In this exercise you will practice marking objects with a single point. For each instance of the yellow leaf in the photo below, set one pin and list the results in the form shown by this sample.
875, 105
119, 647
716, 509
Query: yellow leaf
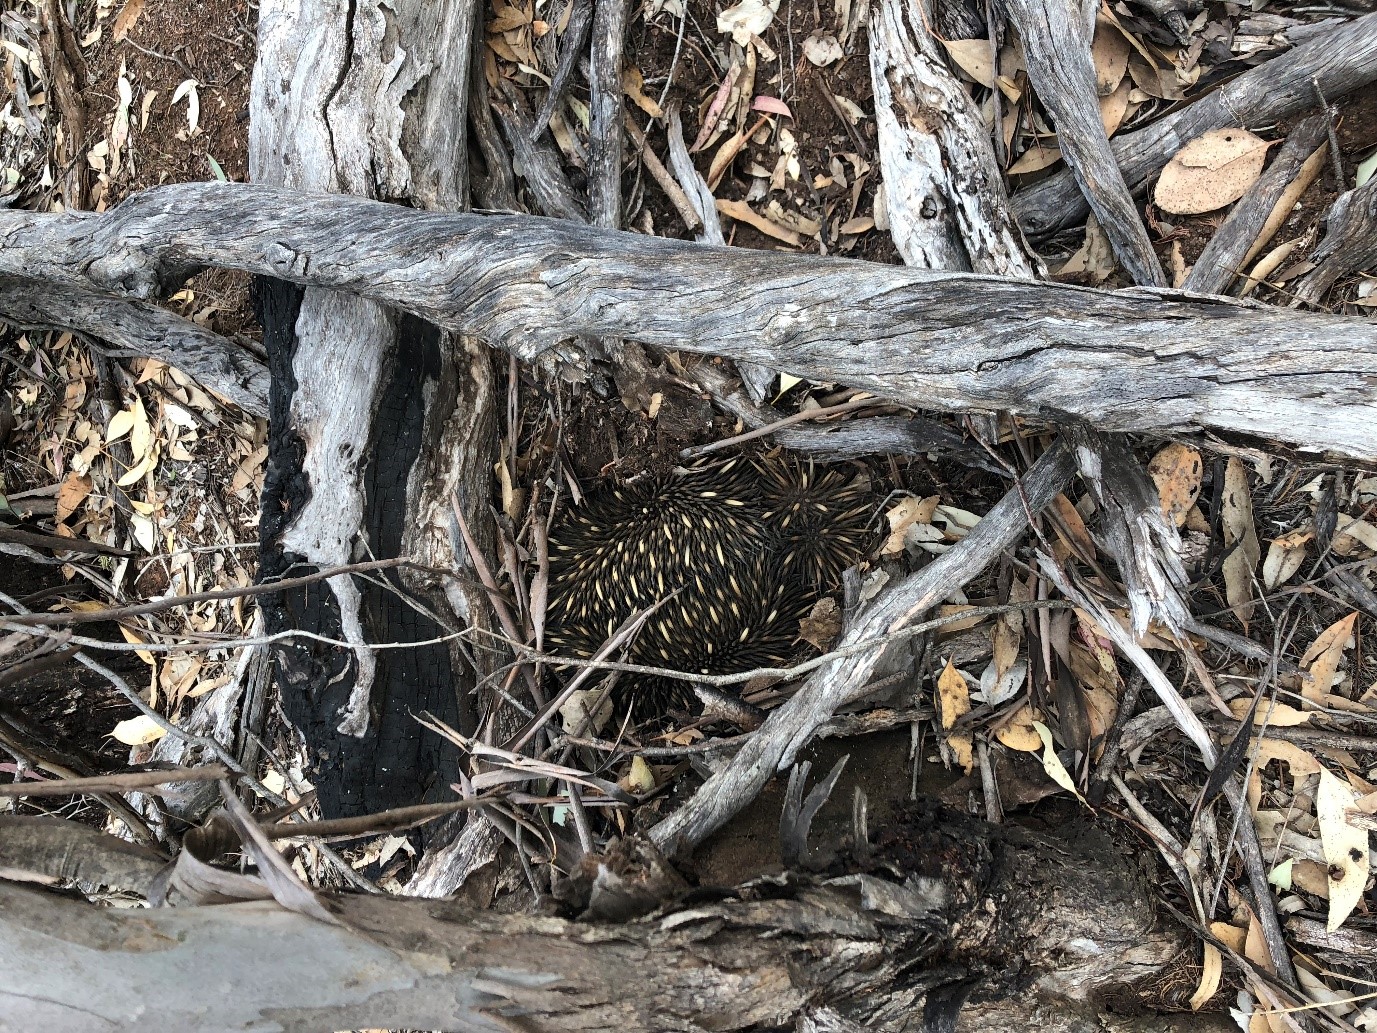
1274, 715
1345, 847
138, 730
120, 425
633, 85
1052, 764
135, 639
141, 434
953, 700
135, 472
1018, 732
1210, 972
1230, 935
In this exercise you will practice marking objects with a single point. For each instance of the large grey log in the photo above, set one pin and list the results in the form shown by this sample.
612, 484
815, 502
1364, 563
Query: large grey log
1127, 361
1337, 62
987, 907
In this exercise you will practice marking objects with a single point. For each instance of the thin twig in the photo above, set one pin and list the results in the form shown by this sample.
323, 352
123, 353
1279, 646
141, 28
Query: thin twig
116, 783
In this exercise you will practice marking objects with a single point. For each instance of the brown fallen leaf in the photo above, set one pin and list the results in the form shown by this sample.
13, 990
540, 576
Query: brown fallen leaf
1176, 470
125, 21
1240, 537
1211, 171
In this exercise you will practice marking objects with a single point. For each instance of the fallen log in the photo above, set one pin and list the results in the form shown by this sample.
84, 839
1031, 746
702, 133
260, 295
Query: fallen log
1009, 914
1135, 360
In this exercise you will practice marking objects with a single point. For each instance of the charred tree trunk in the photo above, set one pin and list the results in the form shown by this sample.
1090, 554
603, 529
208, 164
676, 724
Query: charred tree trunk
363, 395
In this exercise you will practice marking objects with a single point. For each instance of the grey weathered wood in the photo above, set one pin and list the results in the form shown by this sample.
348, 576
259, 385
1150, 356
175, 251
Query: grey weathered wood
1338, 62
605, 111
1056, 46
842, 680
1349, 244
766, 957
1131, 360
535, 160
136, 328
944, 195
1222, 260
571, 48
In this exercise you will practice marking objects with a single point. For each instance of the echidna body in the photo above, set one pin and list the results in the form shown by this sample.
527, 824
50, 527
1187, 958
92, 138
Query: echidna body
735, 554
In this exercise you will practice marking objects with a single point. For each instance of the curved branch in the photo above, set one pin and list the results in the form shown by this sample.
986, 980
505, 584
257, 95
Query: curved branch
1336, 63
1129, 361
140, 328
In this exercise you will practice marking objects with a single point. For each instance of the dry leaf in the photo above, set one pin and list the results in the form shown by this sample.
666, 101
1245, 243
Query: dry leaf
1019, 733
633, 85
1321, 660
747, 18
1237, 519
1110, 54
742, 212
1052, 764
1035, 159
822, 49
1211, 171
1345, 847
822, 625
138, 731
974, 57
126, 20
953, 700
1210, 972
1073, 528
71, 494
1285, 556
1176, 470
1114, 108
1274, 715
187, 89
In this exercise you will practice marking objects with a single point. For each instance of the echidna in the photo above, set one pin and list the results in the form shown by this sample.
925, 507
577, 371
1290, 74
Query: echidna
741, 551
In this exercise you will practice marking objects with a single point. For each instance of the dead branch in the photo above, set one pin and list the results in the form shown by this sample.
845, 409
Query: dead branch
1223, 258
944, 196
1133, 360
1056, 44
126, 327
1350, 241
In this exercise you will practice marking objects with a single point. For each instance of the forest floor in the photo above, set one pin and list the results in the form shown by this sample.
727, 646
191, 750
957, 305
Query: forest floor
132, 454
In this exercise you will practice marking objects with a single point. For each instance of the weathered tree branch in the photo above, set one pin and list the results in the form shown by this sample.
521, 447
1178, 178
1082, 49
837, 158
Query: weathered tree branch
1128, 361
944, 195
132, 327
1056, 45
